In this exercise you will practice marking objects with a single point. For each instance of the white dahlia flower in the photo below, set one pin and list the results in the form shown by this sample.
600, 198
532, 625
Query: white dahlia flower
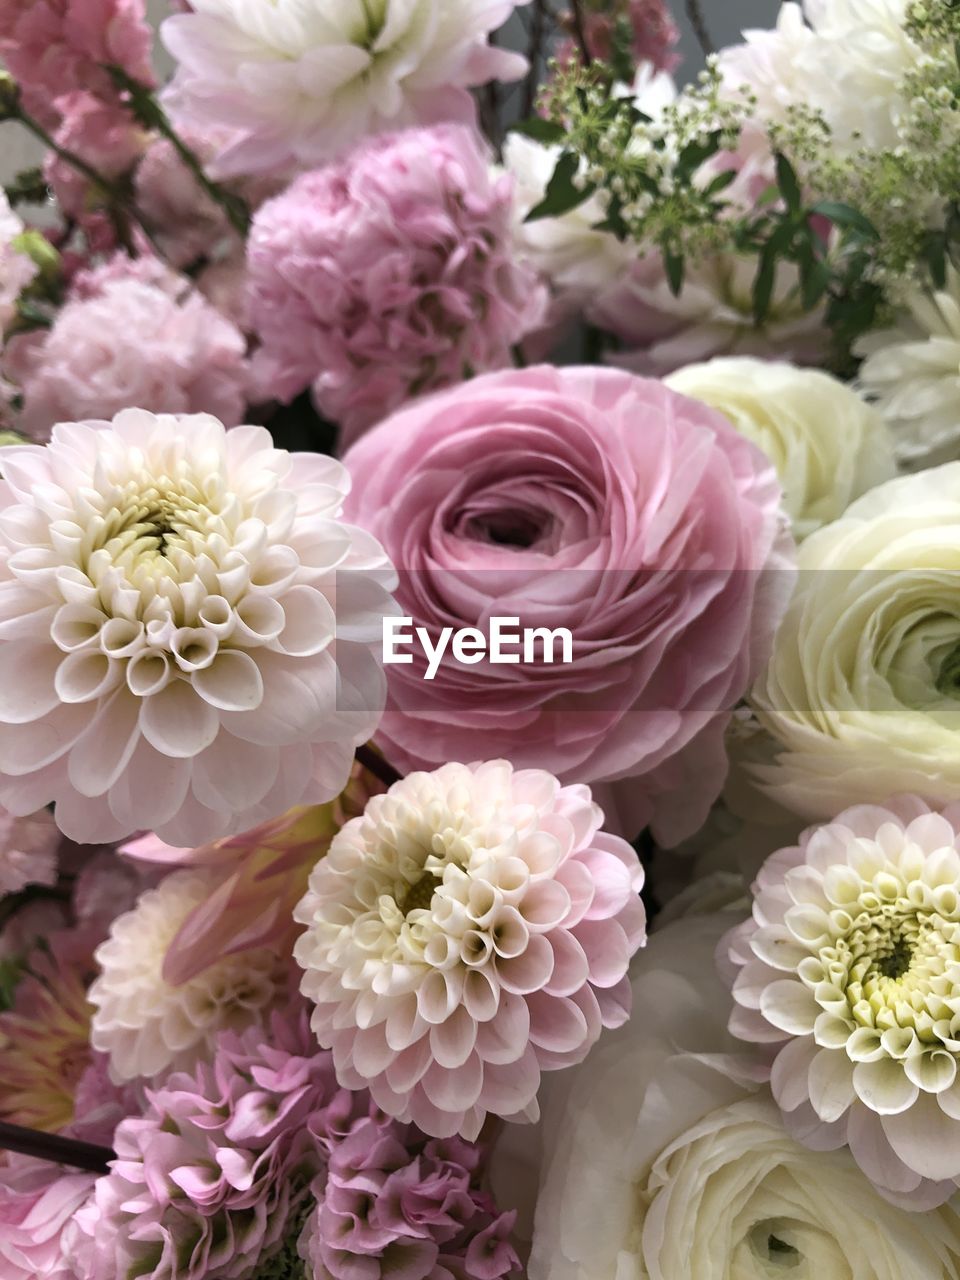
189, 636
147, 1026
861, 695
300, 80
658, 1159
912, 371
472, 929
849, 971
17, 269
827, 444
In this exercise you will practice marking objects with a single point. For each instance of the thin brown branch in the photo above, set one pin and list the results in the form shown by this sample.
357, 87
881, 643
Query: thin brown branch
374, 762
699, 24
55, 1148
538, 26
580, 31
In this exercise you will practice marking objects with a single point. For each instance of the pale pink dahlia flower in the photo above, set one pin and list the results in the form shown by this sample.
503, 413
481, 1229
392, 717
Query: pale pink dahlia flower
310, 80
849, 971
132, 333
472, 929
387, 275
171, 653
37, 1204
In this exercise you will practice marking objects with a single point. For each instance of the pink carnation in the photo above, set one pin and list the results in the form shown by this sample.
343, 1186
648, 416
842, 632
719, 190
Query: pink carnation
596, 501
472, 929
37, 1203
53, 47
387, 275
123, 340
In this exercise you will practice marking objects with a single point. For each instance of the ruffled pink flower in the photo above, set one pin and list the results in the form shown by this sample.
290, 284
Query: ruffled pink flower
126, 340
104, 134
211, 1178
28, 850
53, 47
602, 503
388, 275
37, 1203
472, 929
395, 1205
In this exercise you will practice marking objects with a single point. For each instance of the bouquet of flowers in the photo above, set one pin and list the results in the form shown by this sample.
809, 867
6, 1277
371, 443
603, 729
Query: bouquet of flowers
479, 643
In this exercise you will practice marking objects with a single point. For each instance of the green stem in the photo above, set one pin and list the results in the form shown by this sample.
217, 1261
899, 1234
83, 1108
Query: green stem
148, 111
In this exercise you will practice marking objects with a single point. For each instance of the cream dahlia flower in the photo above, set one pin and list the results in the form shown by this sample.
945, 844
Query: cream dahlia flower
300, 80
850, 971
827, 444
145, 1024
658, 1159
912, 370
862, 692
472, 929
170, 652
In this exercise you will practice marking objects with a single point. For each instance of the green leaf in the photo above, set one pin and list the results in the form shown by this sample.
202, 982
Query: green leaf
763, 284
934, 253
562, 195
845, 216
815, 279
614, 221
694, 154
675, 267
546, 131
721, 182
789, 184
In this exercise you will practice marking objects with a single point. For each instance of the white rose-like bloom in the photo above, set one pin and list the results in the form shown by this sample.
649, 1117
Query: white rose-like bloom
848, 59
912, 370
472, 929
189, 636
827, 444
850, 971
146, 1025
659, 1160
301, 80
862, 691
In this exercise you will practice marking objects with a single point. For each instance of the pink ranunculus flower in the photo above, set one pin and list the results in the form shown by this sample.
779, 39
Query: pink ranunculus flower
387, 275
53, 47
599, 502
470, 931
131, 334
37, 1204
190, 632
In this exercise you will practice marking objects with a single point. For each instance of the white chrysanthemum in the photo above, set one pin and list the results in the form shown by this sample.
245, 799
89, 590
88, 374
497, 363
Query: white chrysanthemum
849, 63
303, 79
912, 370
660, 1160
472, 929
861, 695
827, 444
850, 970
170, 652
577, 259
147, 1026
17, 269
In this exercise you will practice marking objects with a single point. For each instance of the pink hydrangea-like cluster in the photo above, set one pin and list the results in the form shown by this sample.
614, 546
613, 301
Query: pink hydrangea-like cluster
104, 135
388, 275
653, 34
210, 1178
130, 335
392, 1203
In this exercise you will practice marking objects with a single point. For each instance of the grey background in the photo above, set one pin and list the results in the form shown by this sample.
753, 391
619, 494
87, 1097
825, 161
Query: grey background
724, 18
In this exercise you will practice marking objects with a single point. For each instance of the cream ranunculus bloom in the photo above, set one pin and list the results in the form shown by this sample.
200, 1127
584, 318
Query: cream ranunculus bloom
660, 1161
862, 691
827, 444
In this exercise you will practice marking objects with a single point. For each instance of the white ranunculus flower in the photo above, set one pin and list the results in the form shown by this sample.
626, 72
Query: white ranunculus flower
848, 60
827, 444
658, 1160
862, 691
912, 370
303, 79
